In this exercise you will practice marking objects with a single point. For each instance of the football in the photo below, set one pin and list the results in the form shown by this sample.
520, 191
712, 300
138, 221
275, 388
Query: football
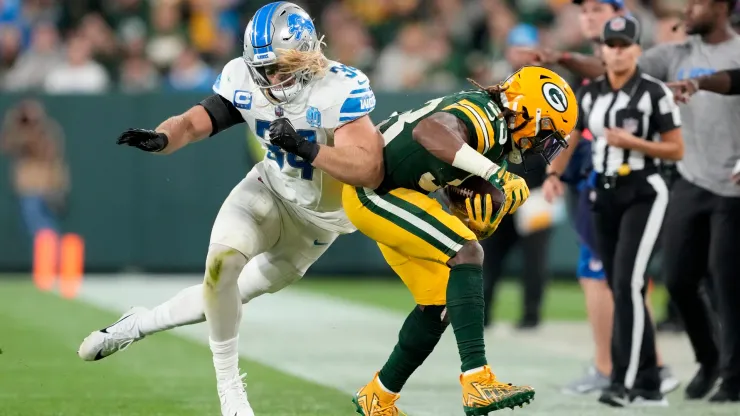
456, 195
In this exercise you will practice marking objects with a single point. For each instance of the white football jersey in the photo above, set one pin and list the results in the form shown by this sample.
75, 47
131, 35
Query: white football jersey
341, 96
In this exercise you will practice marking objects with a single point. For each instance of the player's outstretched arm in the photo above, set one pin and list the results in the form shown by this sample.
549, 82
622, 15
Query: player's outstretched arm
209, 117
355, 159
583, 65
723, 82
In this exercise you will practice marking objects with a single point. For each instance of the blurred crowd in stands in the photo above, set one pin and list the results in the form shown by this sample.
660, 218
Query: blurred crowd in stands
94, 46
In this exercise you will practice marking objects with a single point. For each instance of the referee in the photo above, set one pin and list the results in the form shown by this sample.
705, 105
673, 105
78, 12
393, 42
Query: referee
626, 111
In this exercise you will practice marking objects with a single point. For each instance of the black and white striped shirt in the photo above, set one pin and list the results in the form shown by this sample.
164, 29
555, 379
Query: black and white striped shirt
644, 106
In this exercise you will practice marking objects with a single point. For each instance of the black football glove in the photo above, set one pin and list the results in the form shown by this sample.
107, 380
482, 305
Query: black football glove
284, 136
146, 140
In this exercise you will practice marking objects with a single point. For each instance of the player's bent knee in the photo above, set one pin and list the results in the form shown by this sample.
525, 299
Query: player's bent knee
223, 265
470, 253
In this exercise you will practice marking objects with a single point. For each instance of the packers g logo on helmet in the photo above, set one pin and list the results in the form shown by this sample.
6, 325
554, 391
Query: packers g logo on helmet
555, 97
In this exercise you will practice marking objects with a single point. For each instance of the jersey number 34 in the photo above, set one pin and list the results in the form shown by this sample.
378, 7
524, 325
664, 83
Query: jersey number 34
281, 157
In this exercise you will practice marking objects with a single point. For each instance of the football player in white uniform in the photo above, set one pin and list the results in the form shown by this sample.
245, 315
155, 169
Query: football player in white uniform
287, 211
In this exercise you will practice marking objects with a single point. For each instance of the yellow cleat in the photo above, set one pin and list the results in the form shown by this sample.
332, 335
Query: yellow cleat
374, 400
482, 393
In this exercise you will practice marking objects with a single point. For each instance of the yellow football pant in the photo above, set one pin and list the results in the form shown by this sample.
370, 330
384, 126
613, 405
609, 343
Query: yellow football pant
415, 234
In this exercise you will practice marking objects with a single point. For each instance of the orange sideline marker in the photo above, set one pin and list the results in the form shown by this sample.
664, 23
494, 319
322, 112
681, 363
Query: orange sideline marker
72, 265
45, 259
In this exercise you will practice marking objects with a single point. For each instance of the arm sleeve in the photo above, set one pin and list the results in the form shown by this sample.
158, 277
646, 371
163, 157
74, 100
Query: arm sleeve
222, 112
734, 75
656, 60
666, 114
482, 132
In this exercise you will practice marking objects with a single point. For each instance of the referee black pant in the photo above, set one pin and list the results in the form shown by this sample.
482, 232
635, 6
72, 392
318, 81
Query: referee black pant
628, 213
534, 272
702, 232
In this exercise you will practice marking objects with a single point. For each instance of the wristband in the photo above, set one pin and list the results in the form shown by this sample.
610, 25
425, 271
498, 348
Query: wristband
469, 160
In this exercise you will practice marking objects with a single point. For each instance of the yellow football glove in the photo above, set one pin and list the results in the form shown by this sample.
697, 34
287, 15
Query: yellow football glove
479, 216
516, 191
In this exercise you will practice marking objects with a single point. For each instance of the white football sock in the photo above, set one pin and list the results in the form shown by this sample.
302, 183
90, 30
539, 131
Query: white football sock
225, 358
185, 308
473, 371
258, 277
385, 389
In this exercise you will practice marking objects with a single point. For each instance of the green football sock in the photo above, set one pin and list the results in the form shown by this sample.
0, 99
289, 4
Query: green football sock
418, 336
465, 308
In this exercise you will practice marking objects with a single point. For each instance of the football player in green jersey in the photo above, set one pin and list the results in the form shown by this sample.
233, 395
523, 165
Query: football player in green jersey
436, 255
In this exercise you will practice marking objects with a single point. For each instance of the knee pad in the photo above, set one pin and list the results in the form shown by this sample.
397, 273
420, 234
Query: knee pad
262, 276
223, 265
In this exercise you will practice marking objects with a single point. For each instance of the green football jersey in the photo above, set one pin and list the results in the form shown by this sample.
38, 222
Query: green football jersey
409, 165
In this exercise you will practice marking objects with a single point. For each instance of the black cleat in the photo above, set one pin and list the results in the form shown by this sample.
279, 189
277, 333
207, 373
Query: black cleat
615, 396
702, 383
647, 398
726, 394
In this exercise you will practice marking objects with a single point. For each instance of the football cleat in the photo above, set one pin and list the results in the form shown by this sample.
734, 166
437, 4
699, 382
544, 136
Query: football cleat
233, 397
113, 338
482, 393
374, 400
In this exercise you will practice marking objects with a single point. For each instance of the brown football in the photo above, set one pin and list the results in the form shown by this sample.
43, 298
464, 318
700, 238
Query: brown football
456, 195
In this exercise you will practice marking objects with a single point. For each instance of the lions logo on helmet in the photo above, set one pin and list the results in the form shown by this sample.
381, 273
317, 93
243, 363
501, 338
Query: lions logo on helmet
298, 24
545, 108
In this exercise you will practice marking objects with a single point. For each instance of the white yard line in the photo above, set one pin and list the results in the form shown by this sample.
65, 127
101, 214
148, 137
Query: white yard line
341, 344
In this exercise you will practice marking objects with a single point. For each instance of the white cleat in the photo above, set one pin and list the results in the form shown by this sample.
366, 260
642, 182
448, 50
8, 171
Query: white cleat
114, 338
233, 396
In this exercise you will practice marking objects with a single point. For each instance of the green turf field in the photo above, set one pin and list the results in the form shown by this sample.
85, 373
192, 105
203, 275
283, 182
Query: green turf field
563, 300
171, 374
42, 375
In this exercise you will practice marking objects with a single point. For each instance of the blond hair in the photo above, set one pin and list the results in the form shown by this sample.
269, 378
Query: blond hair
313, 62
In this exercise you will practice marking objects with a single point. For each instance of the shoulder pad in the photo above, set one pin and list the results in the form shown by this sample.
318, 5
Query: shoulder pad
235, 84
342, 95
